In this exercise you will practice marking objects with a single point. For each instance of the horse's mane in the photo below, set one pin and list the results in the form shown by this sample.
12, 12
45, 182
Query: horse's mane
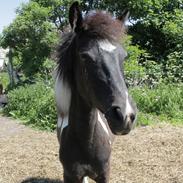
64, 55
99, 25
103, 26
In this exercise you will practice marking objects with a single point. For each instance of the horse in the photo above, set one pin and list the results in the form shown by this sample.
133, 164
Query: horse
92, 98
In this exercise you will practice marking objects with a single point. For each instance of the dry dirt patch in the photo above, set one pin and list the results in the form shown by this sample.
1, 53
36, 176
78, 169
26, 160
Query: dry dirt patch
147, 155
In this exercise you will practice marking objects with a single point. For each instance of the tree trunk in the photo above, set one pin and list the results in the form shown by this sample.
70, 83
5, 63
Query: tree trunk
10, 68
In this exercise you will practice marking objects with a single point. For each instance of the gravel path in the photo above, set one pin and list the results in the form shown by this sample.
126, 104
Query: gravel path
147, 155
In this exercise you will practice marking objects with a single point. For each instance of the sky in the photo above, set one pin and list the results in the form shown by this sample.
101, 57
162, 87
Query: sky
7, 11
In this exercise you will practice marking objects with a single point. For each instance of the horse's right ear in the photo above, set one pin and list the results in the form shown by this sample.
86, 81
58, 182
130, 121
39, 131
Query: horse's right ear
75, 17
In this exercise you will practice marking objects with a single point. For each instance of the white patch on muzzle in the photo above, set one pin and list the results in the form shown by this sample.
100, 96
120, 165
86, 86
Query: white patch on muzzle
129, 108
106, 46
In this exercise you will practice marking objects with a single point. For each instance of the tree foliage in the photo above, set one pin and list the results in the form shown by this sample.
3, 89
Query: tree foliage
58, 11
156, 28
31, 36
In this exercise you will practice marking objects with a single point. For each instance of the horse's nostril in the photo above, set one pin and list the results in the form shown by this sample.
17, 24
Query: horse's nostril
119, 113
115, 114
132, 117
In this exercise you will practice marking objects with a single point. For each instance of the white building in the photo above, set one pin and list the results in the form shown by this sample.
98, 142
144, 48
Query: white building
3, 57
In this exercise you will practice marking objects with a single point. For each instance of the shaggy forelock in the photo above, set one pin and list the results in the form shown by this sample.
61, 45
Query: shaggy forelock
103, 26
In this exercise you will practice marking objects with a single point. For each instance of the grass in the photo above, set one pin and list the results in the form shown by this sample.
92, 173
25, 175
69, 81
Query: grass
164, 103
148, 119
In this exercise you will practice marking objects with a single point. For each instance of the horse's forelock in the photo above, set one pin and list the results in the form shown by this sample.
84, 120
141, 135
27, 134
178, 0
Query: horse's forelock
104, 26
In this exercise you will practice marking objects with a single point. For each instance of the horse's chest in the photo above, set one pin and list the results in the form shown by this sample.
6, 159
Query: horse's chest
83, 161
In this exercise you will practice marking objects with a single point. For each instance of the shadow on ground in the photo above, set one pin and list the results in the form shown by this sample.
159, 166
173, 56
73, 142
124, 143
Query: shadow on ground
41, 180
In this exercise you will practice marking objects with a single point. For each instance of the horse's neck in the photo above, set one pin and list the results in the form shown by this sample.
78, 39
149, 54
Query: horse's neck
82, 118
87, 123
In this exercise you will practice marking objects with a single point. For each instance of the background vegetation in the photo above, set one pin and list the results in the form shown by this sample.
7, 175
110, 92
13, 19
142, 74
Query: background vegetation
153, 68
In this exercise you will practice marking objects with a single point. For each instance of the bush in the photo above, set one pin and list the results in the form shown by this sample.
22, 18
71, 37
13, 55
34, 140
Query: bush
34, 104
134, 72
140, 69
163, 100
174, 67
4, 79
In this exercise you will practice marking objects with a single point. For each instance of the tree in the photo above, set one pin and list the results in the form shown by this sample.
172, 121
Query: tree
31, 36
157, 27
58, 11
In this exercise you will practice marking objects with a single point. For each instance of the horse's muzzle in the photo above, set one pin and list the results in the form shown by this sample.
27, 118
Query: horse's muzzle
119, 123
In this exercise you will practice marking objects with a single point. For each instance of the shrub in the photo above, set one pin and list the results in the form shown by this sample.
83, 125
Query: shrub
34, 104
153, 74
174, 67
140, 69
162, 100
4, 79
134, 72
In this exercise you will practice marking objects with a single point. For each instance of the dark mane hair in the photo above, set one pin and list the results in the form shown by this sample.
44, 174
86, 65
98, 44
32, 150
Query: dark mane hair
103, 26
64, 53
99, 25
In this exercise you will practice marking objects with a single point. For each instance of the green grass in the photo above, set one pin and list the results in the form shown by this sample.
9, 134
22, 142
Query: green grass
164, 103
148, 119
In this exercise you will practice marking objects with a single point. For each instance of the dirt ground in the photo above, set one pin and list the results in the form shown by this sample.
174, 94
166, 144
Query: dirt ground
147, 155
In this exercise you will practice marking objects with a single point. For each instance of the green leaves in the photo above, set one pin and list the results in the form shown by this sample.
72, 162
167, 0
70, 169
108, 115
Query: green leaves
34, 104
32, 36
156, 27
164, 100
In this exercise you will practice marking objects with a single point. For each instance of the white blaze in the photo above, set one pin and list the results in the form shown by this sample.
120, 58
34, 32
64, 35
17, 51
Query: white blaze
106, 46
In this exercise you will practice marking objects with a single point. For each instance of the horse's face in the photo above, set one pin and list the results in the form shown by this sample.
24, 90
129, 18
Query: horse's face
100, 81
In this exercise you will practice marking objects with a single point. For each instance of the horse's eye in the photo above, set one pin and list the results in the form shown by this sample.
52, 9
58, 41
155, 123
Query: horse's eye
86, 57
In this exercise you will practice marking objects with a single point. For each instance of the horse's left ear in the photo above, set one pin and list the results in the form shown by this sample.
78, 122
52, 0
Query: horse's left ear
75, 17
125, 15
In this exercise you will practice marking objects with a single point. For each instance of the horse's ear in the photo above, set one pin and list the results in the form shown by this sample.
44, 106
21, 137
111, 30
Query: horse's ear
75, 17
124, 16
